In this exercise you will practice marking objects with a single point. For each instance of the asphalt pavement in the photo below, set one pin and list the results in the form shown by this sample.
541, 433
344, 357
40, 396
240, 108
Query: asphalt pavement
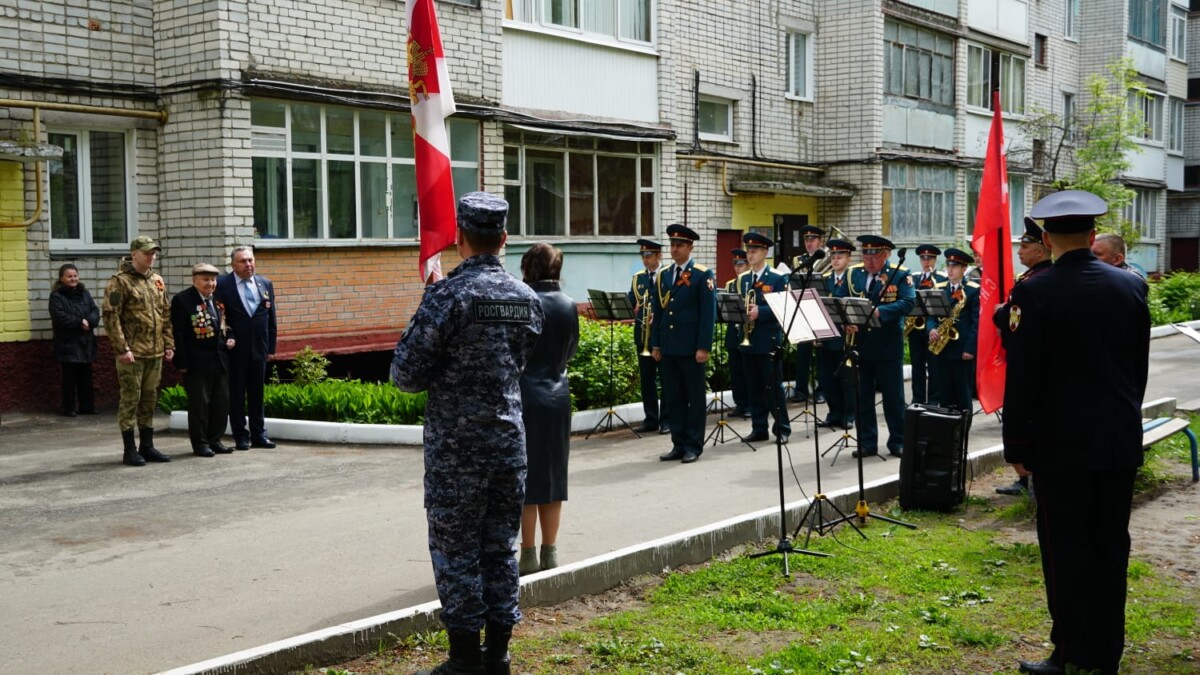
112, 569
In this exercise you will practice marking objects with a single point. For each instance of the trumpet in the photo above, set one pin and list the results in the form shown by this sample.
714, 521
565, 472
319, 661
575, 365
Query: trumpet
647, 317
748, 327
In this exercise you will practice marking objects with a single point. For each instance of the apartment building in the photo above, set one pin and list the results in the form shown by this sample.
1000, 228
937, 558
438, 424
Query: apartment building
211, 123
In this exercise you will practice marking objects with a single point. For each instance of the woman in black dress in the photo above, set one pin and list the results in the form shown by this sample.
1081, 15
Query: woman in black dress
547, 408
74, 316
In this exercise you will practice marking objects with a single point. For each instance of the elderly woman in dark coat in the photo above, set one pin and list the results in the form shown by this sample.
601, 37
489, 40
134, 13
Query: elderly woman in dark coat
547, 408
74, 316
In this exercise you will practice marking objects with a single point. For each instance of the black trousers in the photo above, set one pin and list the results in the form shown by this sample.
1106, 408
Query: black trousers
835, 384
246, 379
764, 384
648, 372
924, 369
804, 359
737, 376
683, 391
888, 374
953, 376
208, 407
77, 383
1083, 530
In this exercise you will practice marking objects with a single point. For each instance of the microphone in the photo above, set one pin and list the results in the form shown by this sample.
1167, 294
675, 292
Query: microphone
816, 255
901, 253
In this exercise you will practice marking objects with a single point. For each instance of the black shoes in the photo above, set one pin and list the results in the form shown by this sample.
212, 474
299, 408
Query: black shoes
671, 456
783, 438
739, 412
220, 449
798, 398
262, 442
147, 449
689, 457
820, 398
69, 413
864, 453
239, 444
202, 452
1044, 667
647, 428
896, 453
1019, 487
757, 436
663, 430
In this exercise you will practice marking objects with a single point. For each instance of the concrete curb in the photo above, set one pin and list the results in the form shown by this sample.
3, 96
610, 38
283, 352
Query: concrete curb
594, 575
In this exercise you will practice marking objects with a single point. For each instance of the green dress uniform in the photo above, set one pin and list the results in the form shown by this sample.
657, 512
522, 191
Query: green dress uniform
684, 318
924, 369
764, 374
642, 294
881, 355
954, 374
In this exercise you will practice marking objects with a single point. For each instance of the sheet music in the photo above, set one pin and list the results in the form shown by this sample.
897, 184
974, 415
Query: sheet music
812, 324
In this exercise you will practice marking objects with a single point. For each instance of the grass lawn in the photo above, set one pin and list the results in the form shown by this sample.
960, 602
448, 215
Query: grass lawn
961, 594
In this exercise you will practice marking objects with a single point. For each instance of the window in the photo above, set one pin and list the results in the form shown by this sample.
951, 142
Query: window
1071, 26
1148, 109
325, 172
92, 198
578, 186
918, 202
1068, 117
1175, 139
715, 119
918, 63
1143, 212
620, 19
1039, 49
1146, 21
1178, 33
979, 80
799, 65
1016, 201
1191, 177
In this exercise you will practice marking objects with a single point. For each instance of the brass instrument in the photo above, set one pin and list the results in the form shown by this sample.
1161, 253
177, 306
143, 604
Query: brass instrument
945, 328
748, 327
912, 323
647, 317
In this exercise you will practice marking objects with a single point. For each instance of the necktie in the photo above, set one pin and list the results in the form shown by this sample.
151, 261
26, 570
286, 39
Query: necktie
212, 311
871, 285
754, 280
251, 301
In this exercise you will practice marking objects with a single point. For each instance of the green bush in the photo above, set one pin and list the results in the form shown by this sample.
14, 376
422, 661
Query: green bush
309, 366
588, 373
1175, 298
349, 401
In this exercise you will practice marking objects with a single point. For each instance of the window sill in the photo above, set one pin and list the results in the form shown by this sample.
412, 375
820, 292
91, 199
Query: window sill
82, 250
798, 98
575, 35
273, 243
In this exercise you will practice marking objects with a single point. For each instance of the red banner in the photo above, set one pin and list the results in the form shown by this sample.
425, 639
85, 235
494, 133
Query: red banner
992, 242
432, 102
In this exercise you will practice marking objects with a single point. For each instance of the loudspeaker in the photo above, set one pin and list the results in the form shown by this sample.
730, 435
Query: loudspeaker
933, 467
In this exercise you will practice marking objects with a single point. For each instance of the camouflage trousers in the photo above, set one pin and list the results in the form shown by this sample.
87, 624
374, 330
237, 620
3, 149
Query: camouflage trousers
473, 523
139, 392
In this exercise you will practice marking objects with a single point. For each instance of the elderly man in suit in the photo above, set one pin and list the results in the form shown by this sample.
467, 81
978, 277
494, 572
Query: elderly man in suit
249, 301
202, 340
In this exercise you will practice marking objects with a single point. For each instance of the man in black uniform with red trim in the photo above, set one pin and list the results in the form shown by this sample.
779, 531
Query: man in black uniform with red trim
1078, 354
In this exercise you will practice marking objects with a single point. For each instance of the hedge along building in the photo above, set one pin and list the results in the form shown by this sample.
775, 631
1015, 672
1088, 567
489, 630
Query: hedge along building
286, 125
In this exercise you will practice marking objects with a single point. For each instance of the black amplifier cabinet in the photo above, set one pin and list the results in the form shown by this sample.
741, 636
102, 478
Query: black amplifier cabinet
933, 469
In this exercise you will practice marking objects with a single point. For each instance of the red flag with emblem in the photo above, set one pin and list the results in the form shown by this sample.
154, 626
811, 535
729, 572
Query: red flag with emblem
432, 102
992, 242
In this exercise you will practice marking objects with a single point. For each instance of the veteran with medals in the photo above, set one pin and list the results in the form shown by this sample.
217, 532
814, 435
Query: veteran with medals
681, 338
881, 350
202, 344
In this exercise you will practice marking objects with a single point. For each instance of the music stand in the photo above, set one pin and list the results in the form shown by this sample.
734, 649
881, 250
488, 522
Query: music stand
611, 307
717, 402
849, 311
731, 311
801, 280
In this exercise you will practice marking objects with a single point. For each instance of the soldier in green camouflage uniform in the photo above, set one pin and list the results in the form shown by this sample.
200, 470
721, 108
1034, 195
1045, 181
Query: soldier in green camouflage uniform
138, 319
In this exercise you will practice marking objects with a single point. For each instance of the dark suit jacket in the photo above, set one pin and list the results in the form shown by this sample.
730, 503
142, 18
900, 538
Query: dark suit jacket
686, 323
895, 297
255, 334
199, 345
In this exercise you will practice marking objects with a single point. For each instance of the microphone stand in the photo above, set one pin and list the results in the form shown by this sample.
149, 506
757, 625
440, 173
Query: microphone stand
784, 546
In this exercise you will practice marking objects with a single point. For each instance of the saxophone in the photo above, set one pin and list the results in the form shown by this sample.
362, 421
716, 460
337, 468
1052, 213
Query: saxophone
912, 323
945, 328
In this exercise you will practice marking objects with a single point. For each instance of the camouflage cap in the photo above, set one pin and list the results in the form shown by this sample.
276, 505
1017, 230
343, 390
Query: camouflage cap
482, 213
144, 243
204, 268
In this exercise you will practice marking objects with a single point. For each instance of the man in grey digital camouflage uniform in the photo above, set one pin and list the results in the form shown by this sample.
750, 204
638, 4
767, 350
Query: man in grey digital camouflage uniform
137, 317
467, 345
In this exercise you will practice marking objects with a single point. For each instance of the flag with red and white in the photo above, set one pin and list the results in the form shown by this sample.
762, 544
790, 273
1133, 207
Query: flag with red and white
992, 241
432, 102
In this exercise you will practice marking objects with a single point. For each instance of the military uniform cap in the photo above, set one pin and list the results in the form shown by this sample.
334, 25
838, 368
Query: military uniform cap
649, 246
873, 243
144, 243
956, 256
1033, 233
1069, 211
739, 255
682, 233
756, 239
204, 268
928, 249
839, 246
811, 230
482, 213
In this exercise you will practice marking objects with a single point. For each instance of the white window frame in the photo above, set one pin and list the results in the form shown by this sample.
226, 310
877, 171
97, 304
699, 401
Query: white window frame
727, 135
84, 178
322, 156
1143, 213
1068, 117
1071, 21
1018, 185
534, 13
1145, 13
895, 46
979, 69
1149, 109
1178, 21
804, 93
1175, 122
935, 205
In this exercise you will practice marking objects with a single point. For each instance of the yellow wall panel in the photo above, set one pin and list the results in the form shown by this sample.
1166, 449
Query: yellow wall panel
14, 267
758, 210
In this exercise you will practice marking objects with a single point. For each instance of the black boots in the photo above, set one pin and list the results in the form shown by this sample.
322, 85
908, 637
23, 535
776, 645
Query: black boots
132, 458
495, 649
147, 449
465, 655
